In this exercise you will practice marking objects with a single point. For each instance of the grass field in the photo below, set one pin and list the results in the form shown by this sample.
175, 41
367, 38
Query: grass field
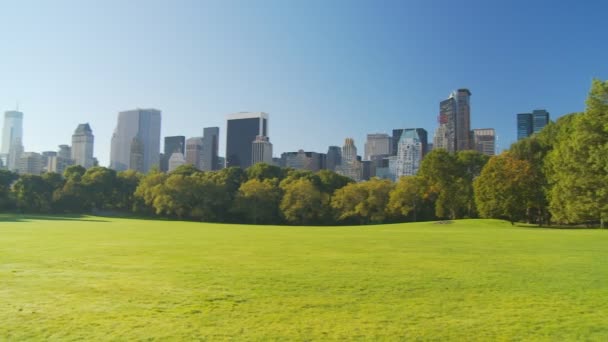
96, 278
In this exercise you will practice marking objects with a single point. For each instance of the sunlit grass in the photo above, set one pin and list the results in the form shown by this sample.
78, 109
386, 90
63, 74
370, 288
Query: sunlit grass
96, 278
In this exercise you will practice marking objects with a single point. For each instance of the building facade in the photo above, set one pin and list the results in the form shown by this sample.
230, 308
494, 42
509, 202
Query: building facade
485, 140
242, 130
12, 139
334, 158
30, 163
410, 152
82, 146
302, 160
172, 144
194, 150
209, 158
261, 150
530, 123
377, 144
176, 160
350, 165
143, 124
454, 121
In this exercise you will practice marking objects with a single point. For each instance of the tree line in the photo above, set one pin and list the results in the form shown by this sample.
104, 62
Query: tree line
558, 175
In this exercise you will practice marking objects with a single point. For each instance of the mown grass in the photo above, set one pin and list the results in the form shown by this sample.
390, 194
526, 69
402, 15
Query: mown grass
95, 278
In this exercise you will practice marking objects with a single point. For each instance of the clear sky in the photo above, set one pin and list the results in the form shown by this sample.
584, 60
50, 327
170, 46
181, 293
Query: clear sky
324, 70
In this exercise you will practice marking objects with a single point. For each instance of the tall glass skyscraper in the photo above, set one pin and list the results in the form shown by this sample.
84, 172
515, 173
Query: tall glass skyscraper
12, 138
530, 123
454, 129
242, 130
137, 136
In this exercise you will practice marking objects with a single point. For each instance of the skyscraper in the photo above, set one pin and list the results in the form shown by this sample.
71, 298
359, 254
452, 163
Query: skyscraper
524, 125
82, 146
172, 144
350, 165
194, 149
143, 124
454, 129
421, 132
12, 130
261, 151
485, 140
540, 119
334, 157
209, 159
242, 130
12, 138
377, 144
530, 123
410, 152
30, 163
176, 160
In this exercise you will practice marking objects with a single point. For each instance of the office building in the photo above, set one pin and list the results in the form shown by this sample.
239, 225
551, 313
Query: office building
172, 144
302, 160
221, 163
410, 152
455, 122
176, 160
142, 128
14, 154
420, 132
350, 165
334, 158
30, 163
242, 130
82, 146
194, 151
261, 151
209, 158
485, 140
530, 123
12, 130
377, 144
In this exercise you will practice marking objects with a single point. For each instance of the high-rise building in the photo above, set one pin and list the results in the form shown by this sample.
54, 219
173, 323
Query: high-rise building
242, 130
82, 146
485, 140
194, 150
172, 144
421, 132
14, 154
334, 158
30, 163
143, 124
60, 161
530, 123
136, 157
410, 152
211, 141
455, 122
377, 144
261, 150
302, 160
221, 163
540, 119
12, 130
176, 160
350, 165
524, 125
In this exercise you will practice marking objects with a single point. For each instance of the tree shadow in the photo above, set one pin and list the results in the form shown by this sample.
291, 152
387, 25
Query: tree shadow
43, 217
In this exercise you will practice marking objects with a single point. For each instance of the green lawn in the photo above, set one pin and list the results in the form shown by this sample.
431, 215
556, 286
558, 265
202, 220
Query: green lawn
97, 278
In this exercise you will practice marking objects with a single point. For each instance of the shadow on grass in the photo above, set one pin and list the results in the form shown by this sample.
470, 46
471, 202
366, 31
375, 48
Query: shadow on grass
42, 217
557, 226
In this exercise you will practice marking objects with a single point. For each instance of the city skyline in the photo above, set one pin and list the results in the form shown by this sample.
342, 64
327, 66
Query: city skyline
336, 69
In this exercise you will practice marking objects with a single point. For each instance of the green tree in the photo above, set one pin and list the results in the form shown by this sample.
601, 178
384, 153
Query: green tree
6, 196
406, 198
262, 171
126, 184
303, 203
364, 202
34, 194
503, 188
578, 164
258, 201
99, 184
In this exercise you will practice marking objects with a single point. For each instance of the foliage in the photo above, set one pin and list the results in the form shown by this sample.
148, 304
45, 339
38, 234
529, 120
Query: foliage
502, 190
362, 203
303, 203
258, 201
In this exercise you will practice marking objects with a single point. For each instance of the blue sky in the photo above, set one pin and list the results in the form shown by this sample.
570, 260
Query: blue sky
323, 70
